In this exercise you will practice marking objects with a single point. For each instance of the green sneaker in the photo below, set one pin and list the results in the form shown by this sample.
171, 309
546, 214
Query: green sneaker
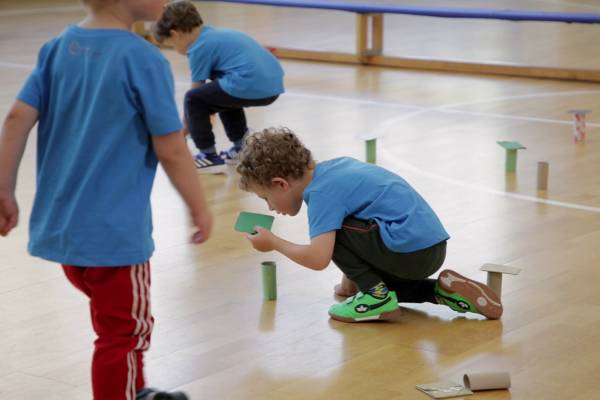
463, 294
364, 307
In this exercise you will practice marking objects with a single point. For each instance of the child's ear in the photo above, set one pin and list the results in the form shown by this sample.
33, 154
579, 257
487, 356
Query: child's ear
280, 183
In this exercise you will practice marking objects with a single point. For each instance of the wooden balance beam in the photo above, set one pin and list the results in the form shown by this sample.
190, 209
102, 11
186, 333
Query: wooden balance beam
369, 38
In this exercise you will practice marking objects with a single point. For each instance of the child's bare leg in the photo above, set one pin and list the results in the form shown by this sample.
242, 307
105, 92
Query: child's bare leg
345, 288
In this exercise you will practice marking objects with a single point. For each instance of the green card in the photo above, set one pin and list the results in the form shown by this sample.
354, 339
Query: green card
511, 145
247, 221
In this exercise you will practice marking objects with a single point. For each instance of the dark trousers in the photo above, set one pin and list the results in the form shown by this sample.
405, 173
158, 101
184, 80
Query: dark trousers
208, 99
364, 258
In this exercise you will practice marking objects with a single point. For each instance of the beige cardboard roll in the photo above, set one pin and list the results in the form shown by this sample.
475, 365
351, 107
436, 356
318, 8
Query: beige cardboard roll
542, 175
487, 380
494, 281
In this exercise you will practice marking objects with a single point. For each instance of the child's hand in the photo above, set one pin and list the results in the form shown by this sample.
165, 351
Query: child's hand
9, 212
262, 240
204, 223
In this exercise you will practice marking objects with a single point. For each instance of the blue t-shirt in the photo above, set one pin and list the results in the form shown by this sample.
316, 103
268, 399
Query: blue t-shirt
101, 94
243, 68
345, 187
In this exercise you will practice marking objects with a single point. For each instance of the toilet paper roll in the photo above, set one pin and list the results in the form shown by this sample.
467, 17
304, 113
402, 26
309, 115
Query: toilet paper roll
487, 381
269, 280
542, 175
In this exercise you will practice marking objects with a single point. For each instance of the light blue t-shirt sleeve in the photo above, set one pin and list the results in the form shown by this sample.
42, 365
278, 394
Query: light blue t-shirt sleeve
32, 91
155, 88
201, 59
325, 214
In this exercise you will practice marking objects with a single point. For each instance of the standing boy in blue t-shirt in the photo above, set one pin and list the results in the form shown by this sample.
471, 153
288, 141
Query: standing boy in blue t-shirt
103, 99
374, 226
242, 74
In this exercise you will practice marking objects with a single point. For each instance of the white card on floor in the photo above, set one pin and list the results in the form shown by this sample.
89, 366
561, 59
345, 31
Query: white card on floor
443, 390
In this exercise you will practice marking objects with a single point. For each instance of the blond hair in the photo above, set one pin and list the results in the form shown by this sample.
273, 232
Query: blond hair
271, 153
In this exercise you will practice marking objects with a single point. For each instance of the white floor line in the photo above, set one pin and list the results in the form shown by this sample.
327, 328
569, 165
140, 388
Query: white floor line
31, 11
355, 101
391, 159
382, 128
15, 65
449, 107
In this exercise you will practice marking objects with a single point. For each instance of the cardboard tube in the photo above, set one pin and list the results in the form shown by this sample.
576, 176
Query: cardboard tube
494, 281
269, 280
371, 146
487, 381
542, 175
511, 160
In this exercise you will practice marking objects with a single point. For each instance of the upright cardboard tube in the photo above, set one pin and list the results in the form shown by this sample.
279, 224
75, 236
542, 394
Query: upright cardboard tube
494, 281
542, 175
511, 160
269, 280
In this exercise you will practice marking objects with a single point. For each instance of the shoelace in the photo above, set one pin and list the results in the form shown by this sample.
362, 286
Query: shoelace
355, 297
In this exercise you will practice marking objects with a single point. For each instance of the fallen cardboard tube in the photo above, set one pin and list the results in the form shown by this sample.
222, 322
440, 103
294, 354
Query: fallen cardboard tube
487, 381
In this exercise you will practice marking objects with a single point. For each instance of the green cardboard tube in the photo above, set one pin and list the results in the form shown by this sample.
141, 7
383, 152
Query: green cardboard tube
511, 160
269, 280
371, 147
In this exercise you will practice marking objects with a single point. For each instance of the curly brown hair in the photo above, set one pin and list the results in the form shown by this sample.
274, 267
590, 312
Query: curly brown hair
271, 153
181, 15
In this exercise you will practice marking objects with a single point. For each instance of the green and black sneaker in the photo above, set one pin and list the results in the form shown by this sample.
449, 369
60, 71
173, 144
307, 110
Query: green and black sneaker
364, 307
463, 294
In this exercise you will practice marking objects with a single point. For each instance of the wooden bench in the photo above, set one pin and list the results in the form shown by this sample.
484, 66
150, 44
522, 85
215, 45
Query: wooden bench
369, 38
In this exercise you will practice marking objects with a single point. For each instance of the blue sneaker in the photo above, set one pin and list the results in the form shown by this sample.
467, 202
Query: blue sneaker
209, 163
231, 156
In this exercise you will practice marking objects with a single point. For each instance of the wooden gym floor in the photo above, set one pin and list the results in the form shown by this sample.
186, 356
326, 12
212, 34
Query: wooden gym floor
215, 337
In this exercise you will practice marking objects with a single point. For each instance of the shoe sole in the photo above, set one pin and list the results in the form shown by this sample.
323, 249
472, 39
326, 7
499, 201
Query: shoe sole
214, 170
386, 316
481, 296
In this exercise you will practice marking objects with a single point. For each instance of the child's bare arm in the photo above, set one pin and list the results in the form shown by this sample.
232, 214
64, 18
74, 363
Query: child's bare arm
316, 255
177, 162
13, 138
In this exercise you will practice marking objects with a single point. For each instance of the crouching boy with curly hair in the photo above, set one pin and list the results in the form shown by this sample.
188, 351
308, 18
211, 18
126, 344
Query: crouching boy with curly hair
375, 227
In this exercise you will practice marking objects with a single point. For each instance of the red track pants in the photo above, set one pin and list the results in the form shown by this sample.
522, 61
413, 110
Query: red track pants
121, 317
